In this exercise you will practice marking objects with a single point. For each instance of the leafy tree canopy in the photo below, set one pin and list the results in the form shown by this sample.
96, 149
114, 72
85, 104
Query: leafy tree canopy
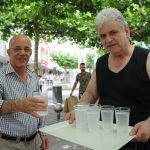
64, 60
70, 19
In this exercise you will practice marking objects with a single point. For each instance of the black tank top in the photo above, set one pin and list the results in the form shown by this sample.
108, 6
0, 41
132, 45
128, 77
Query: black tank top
128, 88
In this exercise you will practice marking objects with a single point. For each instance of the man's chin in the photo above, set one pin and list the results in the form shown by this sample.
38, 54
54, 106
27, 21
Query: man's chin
22, 65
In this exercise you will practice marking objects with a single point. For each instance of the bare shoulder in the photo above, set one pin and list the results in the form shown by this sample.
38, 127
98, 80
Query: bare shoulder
148, 65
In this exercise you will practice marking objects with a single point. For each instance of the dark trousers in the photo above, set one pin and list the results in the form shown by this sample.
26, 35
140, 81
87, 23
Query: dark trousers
136, 146
41, 88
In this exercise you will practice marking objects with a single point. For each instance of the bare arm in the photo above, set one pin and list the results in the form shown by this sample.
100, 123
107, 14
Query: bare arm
27, 105
148, 66
90, 95
74, 86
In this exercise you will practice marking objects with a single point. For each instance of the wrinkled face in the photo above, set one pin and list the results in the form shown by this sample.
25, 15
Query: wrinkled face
19, 52
82, 68
114, 37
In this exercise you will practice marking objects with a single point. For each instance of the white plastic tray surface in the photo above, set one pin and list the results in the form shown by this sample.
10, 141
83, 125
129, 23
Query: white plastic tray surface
99, 140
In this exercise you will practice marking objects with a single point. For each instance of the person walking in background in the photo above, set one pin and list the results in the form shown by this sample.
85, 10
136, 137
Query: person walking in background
121, 77
19, 122
41, 82
83, 78
51, 78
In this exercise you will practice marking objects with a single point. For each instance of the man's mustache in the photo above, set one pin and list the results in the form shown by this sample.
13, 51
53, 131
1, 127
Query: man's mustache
23, 58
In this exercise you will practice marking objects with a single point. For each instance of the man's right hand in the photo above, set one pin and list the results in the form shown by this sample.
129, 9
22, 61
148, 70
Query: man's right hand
70, 116
31, 105
28, 105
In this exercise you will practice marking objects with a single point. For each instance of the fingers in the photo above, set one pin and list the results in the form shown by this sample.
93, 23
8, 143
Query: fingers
36, 115
141, 132
31, 105
134, 130
70, 117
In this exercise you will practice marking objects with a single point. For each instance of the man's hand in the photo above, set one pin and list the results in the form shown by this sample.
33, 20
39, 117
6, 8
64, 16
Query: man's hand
141, 131
31, 105
28, 105
45, 142
70, 116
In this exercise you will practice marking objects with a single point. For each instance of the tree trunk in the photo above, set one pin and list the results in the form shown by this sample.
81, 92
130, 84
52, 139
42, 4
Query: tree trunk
36, 53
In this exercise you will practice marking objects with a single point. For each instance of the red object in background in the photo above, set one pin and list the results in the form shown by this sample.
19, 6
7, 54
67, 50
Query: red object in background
44, 52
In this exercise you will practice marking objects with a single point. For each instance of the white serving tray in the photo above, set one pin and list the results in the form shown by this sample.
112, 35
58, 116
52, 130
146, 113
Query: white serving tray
99, 140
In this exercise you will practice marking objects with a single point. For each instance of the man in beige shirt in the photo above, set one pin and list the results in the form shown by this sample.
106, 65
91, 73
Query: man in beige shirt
121, 77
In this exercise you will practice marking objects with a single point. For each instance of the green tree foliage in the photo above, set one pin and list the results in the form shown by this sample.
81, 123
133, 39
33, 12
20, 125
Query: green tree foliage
69, 19
64, 60
90, 60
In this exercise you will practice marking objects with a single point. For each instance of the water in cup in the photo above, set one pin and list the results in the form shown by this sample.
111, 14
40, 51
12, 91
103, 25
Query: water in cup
81, 116
44, 96
122, 118
93, 116
107, 114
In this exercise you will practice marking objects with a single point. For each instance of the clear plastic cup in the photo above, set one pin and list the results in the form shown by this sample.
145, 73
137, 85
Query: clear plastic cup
93, 117
122, 118
43, 96
81, 116
107, 115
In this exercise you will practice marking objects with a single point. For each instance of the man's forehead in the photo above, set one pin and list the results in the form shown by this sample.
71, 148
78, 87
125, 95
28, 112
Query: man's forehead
82, 66
19, 41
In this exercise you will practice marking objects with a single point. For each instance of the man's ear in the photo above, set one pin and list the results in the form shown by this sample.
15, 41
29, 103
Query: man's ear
127, 30
8, 52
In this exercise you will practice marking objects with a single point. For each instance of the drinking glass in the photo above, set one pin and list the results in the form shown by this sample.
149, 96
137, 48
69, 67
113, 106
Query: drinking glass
43, 96
93, 116
107, 115
122, 118
80, 115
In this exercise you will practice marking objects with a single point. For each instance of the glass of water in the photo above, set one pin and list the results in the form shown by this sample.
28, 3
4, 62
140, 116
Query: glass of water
93, 117
80, 115
122, 118
41, 96
107, 115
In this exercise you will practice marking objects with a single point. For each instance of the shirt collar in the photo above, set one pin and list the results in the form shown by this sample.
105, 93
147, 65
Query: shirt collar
10, 69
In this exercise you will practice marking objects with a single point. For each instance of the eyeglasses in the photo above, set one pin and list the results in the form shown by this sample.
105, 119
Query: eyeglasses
18, 49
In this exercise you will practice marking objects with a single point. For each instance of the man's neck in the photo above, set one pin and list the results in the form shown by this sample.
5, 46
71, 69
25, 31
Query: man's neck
124, 53
21, 71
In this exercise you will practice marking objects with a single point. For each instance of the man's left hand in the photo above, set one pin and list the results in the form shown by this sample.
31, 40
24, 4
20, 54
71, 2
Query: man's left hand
141, 131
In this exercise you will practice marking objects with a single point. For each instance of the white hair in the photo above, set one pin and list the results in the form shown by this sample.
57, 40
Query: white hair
109, 14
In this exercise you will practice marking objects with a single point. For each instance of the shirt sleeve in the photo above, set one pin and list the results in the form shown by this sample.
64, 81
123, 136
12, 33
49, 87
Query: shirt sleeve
1, 101
91, 94
77, 77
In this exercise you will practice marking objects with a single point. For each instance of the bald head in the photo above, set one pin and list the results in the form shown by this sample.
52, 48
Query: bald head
18, 38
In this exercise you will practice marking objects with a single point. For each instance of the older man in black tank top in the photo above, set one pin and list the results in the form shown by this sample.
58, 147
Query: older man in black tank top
121, 77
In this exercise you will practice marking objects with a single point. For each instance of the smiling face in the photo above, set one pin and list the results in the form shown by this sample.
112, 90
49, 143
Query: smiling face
114, 37
19, 51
